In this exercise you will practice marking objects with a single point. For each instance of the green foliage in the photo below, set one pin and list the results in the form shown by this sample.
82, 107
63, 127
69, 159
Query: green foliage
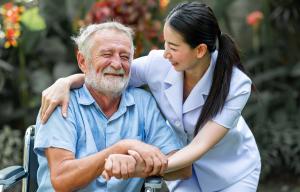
32, 20
45, 52
274, 110
11, 146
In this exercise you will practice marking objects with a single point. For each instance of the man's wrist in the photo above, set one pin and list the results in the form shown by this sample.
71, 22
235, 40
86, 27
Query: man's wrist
122, 147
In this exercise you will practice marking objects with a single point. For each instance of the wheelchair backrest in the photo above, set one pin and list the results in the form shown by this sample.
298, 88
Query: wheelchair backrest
30, 161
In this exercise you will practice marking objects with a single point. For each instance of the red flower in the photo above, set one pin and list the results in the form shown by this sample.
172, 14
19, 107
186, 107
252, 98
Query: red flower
8, 6
11, 18
254, 18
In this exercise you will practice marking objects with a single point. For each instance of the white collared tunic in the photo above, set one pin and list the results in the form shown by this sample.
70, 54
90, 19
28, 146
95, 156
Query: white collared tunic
236, 155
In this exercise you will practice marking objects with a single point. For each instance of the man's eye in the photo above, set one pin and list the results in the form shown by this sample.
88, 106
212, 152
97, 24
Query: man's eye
173, 49
106, 55
125, 58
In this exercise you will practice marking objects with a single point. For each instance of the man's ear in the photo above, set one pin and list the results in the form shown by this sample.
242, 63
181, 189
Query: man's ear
82, 63
201, 50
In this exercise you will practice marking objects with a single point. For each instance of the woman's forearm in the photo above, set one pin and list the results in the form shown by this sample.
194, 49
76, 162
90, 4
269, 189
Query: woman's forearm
184, 157
207, 137
76, 80
183, 173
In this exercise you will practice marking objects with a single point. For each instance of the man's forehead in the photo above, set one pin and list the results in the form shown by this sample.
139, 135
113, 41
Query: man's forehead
113, 37
113, 33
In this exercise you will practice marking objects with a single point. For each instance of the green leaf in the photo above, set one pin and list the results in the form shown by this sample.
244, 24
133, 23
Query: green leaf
40, 79
33, 20
6, 66
62, 69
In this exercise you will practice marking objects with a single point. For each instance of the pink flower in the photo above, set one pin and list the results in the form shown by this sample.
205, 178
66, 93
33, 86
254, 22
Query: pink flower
254, 18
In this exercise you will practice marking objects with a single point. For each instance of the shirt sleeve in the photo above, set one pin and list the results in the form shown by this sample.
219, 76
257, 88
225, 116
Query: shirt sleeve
237, 98
57, 132
158, 133
139, 69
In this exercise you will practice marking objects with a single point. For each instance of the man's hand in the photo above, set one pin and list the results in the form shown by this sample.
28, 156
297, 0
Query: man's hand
119, 166
124, 166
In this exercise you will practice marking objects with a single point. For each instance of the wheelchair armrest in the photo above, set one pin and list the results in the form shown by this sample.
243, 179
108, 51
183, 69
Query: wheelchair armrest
11, 175
153, 183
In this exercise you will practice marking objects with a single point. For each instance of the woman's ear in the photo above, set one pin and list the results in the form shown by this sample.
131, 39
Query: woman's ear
201, 50
82, 64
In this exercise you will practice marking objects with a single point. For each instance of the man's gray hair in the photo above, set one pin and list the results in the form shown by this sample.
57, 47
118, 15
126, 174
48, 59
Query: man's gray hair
83, 39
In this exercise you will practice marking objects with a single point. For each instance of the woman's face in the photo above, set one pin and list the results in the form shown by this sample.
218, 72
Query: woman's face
178, 52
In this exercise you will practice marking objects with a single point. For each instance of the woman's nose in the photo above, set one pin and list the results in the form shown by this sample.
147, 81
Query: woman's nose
167, 55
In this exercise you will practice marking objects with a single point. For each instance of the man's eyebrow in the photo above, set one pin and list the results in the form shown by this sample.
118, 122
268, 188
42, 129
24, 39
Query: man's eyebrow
105, 50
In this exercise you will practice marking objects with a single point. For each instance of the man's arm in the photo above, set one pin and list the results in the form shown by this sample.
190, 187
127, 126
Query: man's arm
68, 173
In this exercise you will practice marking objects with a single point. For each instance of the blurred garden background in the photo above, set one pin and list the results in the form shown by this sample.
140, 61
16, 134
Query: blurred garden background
36, 49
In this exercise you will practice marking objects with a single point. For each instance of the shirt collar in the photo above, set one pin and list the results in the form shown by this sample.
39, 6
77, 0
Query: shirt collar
85, 97
202, 88
173, 76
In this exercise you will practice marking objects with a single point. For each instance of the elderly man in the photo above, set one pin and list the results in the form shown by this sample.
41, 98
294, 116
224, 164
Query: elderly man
105, 121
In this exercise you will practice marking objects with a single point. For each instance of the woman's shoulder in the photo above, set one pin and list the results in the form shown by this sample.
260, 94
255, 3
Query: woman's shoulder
157, 58
240, 82
155, 64
157, 53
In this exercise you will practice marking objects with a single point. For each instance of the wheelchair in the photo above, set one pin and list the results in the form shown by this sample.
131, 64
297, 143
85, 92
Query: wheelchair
13, 175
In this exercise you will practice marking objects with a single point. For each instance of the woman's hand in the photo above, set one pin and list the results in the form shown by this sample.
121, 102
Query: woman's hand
56, 94
140, 164
155, 161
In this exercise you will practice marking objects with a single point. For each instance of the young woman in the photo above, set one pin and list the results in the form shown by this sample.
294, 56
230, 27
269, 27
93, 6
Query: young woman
200, 86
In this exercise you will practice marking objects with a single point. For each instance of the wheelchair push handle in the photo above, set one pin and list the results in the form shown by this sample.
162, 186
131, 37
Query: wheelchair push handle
153, 184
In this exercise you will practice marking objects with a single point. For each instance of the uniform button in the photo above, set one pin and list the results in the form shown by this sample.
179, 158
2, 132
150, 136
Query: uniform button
177, 123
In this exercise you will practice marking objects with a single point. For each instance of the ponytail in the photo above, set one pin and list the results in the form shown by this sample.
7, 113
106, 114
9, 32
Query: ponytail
228, 56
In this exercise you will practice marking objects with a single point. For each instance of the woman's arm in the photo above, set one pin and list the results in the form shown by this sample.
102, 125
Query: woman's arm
58, 94
183, 173
207, 137
180, 162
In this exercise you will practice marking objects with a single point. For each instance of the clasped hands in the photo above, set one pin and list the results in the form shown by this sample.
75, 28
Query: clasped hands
142, 160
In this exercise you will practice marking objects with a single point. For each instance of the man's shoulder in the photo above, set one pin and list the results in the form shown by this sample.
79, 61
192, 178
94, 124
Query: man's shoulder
139, 92
79, 95
139, 96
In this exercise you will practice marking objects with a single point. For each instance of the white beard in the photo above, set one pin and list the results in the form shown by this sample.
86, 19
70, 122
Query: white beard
108, 85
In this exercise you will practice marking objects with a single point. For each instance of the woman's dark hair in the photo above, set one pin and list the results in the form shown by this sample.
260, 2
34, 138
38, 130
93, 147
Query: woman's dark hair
197, 24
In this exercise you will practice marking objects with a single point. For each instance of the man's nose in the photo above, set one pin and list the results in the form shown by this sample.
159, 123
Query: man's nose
116, 63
